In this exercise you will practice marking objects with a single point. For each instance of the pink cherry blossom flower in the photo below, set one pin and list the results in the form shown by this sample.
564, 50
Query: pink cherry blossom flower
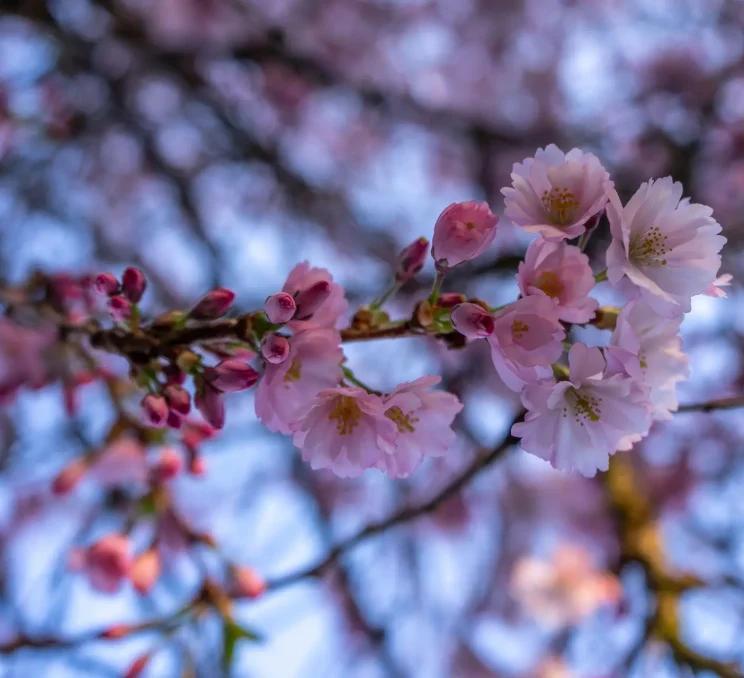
556, 193
653, 354
423, 419
663, 248
563, 590
23, 359
577, 424
526, 339
155, 409
107, 562
560, 271
280, 307
346, 431
462, 232
122, 461
231, 374
133, 284
328, 315
286, 390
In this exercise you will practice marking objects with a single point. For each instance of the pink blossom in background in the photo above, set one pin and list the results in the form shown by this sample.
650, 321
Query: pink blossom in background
423, 418
577, 424
23, 358
346, 431
107, 562
286, 389
462, 232
562, 272
145, 570
329, 314
664, 249
526, 339
210, 402
122, 461
556, 193
715, 289
563, 590
655, 347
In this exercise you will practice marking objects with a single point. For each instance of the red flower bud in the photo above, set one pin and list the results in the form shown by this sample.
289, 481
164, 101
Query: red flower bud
69, 476
247, 583
133, 284
178, 398
280, 307
106, 283
120, 307
232, 374
168, 466
213, 305
311, 299
411, 260
145, 570
275, 349
450, 299
210, 403
137, 666
156, 410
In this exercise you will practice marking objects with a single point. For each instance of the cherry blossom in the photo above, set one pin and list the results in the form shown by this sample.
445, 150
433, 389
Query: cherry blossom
664, 248
307, 284
423, 419
107, 563
564, 589
560, 271
578, 423
462, 232
526, 339
556, 193
347, 431
287, 389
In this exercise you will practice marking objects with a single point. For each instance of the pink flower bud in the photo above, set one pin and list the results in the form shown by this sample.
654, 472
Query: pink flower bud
145, 570
450, 299
311, 299
116, 631
174, 375
463, 230
247, 583
232, 374
137, 666
69, 476
280, 307
210, 403
178, 398
119, 307
275, 349
107, 562
168, 466
198, 467
156, 409
472, 320
174, 420
213, 305
133, 284
106, 283
411, 260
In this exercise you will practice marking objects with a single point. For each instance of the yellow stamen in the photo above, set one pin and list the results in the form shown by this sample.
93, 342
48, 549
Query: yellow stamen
346, 414
404, 422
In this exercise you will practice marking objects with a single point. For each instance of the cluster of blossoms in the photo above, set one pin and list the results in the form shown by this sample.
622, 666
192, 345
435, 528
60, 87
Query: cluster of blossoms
663, 250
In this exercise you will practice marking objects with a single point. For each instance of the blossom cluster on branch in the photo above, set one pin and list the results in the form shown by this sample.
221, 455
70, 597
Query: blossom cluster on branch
582, 403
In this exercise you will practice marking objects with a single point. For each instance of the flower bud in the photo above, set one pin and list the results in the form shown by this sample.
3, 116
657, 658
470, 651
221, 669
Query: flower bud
120, 307
275, 349
107, 562
145, 570
280, 307
450, 299
210, 403
232, 374
69, 477
472, 320
137, 666
106, 283
133, 284
213, 305
173, 420
168, 466
116, 631
247, 583
156, 409
178, 398
411, 260
311, 299
463, 230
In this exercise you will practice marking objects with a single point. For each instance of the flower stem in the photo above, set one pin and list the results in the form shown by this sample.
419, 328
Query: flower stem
437, 286
351, 377
387, 294
601, 276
